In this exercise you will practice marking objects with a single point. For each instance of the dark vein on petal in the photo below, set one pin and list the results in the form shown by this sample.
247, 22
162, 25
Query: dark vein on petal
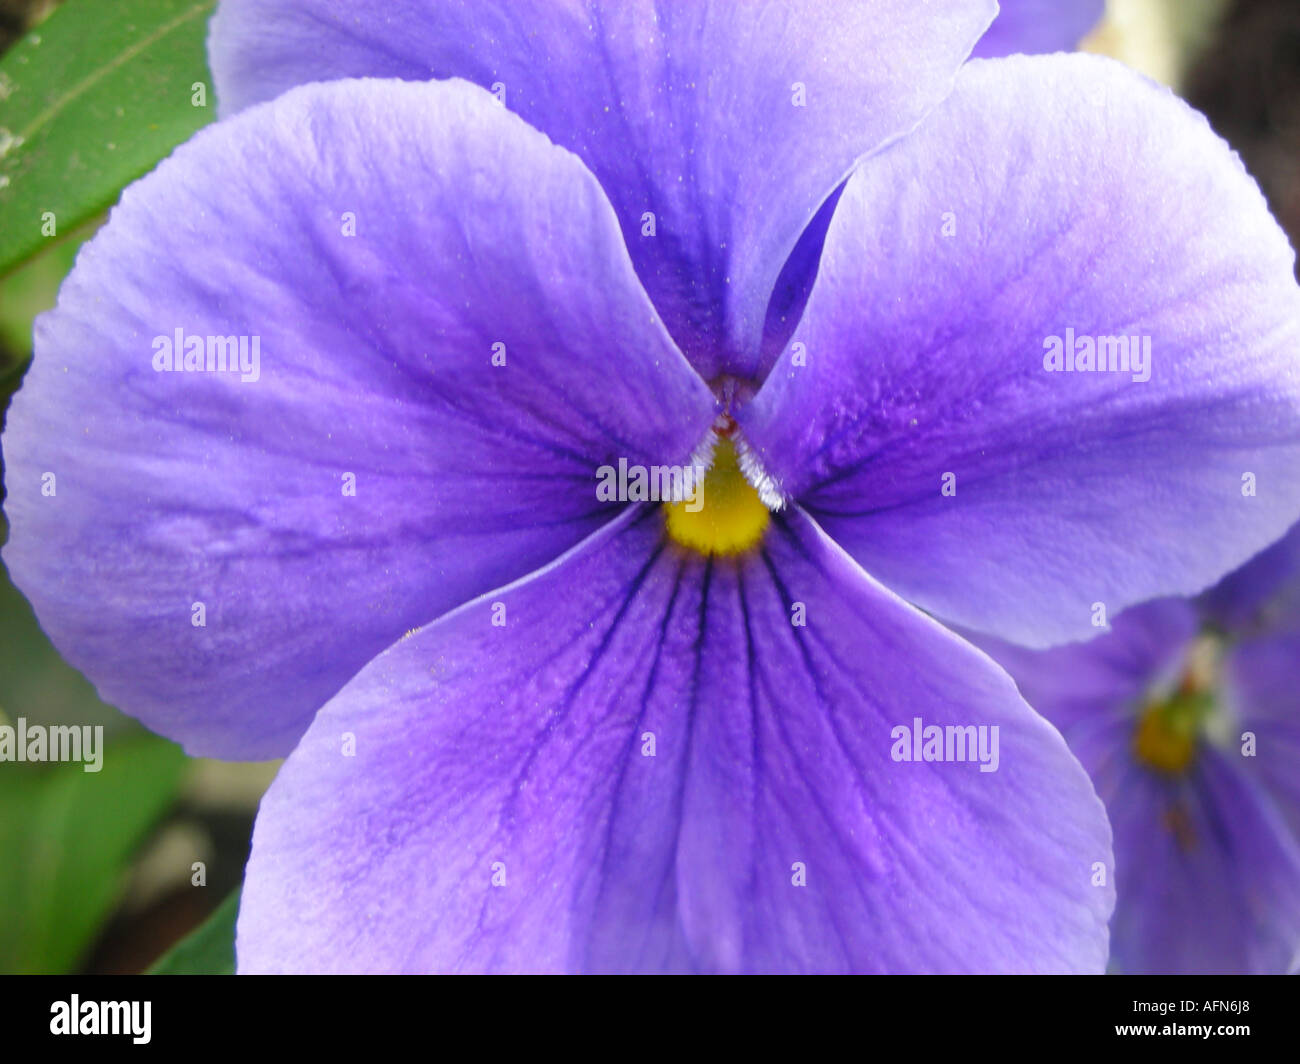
626, 756
567, 700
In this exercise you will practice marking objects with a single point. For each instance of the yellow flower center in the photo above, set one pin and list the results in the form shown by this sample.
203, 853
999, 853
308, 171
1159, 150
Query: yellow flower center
732, 518
1170, 728
1166, 737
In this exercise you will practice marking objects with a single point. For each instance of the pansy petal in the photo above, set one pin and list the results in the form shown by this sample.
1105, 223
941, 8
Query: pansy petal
716, 129
808, 845
1091, 690
1261, 675
786, 307
219, 555
1208, 875
913, 414
625, 772
1261, 595
1031, 26
500, 813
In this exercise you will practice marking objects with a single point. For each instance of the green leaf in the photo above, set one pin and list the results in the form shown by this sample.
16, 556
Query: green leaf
11, 376
32, 289
207, 950
90, 100
66, 840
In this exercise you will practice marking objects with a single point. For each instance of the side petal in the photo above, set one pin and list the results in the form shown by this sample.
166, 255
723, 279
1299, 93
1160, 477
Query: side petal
1049, 200
621, 776
716, 129
1031, 26
220, 551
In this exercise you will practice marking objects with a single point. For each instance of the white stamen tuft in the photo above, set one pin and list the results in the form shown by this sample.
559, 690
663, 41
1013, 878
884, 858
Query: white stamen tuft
769, 491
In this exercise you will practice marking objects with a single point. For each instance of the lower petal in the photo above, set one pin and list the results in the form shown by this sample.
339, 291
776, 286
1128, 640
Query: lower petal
633, 767
807, 845
1208, 875
498, 813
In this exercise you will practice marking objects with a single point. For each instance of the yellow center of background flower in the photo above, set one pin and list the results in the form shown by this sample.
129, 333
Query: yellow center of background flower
733, 517
1169, 729
1166, 737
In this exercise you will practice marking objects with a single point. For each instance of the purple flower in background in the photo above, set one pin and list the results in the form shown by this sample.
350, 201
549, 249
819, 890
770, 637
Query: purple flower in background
1032, 26
1185, 713
530, 729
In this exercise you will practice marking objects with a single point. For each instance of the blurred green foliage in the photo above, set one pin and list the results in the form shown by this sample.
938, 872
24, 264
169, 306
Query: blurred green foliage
67, 837
31, 288
210, 950
90, 100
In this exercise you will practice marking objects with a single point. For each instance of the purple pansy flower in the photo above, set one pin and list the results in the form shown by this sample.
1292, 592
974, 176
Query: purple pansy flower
1185, 713
538, 731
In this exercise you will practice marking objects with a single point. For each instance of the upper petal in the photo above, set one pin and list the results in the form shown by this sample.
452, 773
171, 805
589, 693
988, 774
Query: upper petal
914, 414
382, 241
1031, 26
716, 128
624, 761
